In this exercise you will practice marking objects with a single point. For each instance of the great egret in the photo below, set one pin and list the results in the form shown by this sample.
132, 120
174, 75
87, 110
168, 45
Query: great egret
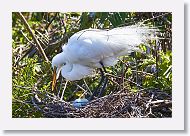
94, 48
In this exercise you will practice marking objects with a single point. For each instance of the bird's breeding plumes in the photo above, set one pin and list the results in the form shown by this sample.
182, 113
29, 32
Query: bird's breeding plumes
93, 48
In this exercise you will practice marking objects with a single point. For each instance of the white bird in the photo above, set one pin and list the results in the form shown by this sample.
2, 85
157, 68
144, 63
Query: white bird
94, 48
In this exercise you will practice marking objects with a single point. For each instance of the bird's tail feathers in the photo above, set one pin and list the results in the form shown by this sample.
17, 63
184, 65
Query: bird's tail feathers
133, 35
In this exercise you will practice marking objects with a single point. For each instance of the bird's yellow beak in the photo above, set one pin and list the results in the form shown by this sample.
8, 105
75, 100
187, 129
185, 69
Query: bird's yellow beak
54, 79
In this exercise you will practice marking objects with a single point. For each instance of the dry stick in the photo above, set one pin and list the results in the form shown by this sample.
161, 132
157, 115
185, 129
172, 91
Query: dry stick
27, 50
85, 91
51, 20
124, 79
26, 37
35, 105
142, 72
141, 23
39, 47
87, 86
154, 17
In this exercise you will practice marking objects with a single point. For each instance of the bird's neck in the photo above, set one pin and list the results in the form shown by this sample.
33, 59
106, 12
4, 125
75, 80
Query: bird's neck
62, 58
67, 68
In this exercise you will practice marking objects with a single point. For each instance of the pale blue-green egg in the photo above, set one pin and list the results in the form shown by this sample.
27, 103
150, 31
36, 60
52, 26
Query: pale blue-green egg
78, 103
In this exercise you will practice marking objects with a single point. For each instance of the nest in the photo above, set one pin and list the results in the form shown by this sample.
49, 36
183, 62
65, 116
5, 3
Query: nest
122, 104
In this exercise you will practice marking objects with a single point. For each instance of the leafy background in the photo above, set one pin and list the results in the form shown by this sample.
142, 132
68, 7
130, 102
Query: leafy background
152, 70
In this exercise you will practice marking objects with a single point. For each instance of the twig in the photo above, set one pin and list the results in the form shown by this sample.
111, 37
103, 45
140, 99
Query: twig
35, 105
22, 87
108, 74
145, 73
28, 51
20, 101
140, 23
87, 86
43, 38
153, 18
149, 102
84, 91
19, 14
161, 101
51, 20
26, 37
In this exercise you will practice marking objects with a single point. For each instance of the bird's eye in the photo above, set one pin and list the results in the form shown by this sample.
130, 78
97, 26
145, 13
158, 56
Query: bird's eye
64, 63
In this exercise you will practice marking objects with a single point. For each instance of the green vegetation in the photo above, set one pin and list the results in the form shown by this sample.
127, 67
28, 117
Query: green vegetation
30, 72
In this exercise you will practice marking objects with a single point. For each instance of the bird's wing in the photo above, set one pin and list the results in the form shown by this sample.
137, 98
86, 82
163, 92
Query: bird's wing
95, 45
84, 48
91, 45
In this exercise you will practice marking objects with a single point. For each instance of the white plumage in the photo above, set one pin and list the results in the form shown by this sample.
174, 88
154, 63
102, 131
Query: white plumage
87, 48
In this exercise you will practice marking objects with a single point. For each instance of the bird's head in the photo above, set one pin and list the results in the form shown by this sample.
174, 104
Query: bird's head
57, 63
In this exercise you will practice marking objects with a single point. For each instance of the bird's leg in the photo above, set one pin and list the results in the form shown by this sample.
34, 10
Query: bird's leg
63, 90
105, 81
103, 67
98, 87
103, 87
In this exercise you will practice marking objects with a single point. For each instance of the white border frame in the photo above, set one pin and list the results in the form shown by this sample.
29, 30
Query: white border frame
174, 123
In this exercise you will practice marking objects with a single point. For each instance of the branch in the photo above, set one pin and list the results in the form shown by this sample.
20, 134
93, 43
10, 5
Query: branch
39, 47
154, 17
